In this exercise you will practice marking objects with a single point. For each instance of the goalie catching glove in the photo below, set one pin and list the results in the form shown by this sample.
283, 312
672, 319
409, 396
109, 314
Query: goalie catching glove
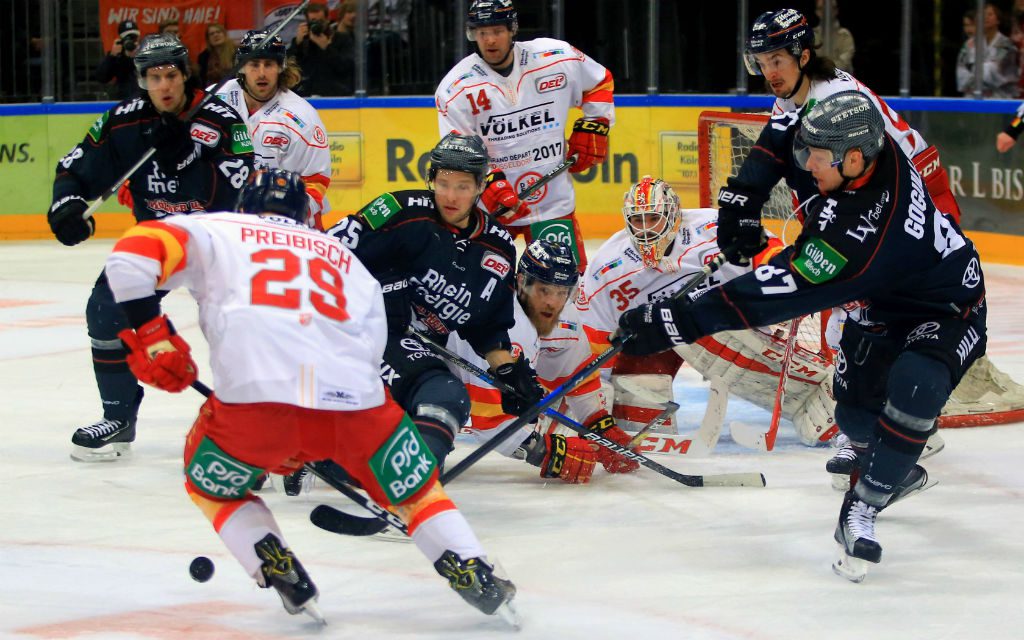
501, 199
589, 143
158, 356
570, 458
613, 462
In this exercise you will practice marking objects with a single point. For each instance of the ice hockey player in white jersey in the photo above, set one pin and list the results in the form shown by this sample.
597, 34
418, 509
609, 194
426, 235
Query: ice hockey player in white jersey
297, 329
517, 97
658, 251
286, 130
549, 334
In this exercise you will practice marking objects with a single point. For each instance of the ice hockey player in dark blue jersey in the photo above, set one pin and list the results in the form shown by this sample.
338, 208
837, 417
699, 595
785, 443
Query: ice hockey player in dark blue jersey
871, 235
445, 267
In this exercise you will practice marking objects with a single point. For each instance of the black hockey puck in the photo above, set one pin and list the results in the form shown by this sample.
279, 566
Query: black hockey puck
201, 569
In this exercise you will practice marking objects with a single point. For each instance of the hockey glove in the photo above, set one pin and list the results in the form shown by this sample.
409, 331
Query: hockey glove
653, 328
571, 459
525, 392
589, 143
501, 199
158, 356
67, 223
740, 235
613, 462
173, 143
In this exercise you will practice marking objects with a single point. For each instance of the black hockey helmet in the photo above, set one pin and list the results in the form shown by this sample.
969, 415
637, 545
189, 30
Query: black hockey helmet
784, 29
158, 50
250, 49
457, 152
843, 121
549, 262
275, 191
487, 13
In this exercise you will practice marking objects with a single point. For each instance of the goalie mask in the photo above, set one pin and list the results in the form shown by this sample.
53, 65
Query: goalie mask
651, 210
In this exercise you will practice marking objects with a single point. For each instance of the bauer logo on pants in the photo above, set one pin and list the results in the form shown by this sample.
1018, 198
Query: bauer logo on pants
217, 474
403, 465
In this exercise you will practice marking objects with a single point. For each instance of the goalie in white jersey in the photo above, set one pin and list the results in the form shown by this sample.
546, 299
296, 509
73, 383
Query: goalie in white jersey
549, 334
661, 248
286, 130
517, 97
297, 329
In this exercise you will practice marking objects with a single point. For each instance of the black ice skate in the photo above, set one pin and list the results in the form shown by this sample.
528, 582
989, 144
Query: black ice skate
296, 483
843, 463
475, 581
915, 482
855, 534
283, 571
103, 441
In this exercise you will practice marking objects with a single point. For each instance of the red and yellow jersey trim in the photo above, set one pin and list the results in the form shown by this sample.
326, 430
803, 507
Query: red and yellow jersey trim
157, 241
603, 91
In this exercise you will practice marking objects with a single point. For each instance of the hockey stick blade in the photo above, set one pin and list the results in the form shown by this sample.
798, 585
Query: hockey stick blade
336, 521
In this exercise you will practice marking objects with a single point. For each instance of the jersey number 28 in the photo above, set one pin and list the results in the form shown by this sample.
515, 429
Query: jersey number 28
328, 299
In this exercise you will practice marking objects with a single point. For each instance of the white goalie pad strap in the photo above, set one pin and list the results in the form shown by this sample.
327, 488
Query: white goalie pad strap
815, 419
750, 361
633, 411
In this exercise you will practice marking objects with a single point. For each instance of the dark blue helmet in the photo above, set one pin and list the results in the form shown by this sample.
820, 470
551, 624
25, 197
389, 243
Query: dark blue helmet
784, 29
249, 49
487, 13
549, 262
159, 50
275, 191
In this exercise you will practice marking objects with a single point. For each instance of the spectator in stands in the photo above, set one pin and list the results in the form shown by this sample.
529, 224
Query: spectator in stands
117, 68
217, 59
999, 58
326, 59
841, 48
169, 26
1017, 36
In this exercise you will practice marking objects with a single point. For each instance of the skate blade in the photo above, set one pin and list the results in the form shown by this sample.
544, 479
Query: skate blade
509, 614
931, 482
840, 481
312, 610
934, 445
390, 534
853, 569
106, 453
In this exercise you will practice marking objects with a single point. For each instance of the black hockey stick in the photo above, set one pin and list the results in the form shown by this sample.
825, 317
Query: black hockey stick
544, 179
724, 480
103, 197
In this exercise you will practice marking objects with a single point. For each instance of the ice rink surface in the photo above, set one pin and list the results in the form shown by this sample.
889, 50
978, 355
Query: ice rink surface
102, 550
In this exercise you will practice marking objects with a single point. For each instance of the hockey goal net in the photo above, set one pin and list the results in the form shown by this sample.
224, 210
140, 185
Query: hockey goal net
986, 396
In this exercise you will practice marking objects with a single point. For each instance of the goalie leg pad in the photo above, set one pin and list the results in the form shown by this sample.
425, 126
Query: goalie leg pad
632, 412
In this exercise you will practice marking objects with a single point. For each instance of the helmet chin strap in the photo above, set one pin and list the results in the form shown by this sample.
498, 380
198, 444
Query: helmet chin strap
797, 85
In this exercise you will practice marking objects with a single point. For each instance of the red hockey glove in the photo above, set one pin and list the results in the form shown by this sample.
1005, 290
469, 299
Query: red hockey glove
501, 199
124, 196
158, 356
937, 182
589, 143
613, 462
571, 459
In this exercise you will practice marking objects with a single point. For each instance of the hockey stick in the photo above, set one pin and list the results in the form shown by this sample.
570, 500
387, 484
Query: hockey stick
744, 434
103, 197
544, 179
724, 480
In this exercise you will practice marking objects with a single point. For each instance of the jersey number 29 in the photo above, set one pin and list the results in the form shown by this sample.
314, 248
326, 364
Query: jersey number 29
328, 299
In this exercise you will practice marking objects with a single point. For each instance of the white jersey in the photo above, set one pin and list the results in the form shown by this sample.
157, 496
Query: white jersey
908, 138
291, 315
287, 133
616, 279
522, 118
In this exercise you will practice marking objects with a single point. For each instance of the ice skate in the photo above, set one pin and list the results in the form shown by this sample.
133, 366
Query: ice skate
283, 571
934, 445
843, 463
915, 482
475, 581
103, 441
299, 482
855, 534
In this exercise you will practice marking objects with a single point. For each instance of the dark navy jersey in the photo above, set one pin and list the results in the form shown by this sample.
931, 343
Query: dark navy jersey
456, 279
208, 179
881, 242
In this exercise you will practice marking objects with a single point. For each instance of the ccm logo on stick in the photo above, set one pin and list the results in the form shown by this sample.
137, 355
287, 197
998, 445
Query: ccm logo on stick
551, 83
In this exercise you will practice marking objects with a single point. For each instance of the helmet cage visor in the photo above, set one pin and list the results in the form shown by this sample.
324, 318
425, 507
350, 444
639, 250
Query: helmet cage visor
651, 212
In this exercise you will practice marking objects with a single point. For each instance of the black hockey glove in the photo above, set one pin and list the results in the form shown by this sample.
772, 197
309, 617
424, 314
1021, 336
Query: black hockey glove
67, 223
740, 234
653, 328
397, 306
525, 391
172, 139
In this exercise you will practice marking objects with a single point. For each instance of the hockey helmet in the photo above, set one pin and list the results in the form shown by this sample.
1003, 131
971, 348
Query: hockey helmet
784, 29
487, 13
457, 152
841, 122
253, 47
651, 210
549, 262
275, 191
159, 50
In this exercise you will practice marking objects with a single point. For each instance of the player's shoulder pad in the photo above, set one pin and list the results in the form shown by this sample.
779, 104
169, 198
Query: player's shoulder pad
496, 234
468, 71
394, 206
548, 50
698, 225
615, 256
125, 111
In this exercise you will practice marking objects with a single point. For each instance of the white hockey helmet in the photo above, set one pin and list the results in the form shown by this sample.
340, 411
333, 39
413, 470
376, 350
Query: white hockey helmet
651, 210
